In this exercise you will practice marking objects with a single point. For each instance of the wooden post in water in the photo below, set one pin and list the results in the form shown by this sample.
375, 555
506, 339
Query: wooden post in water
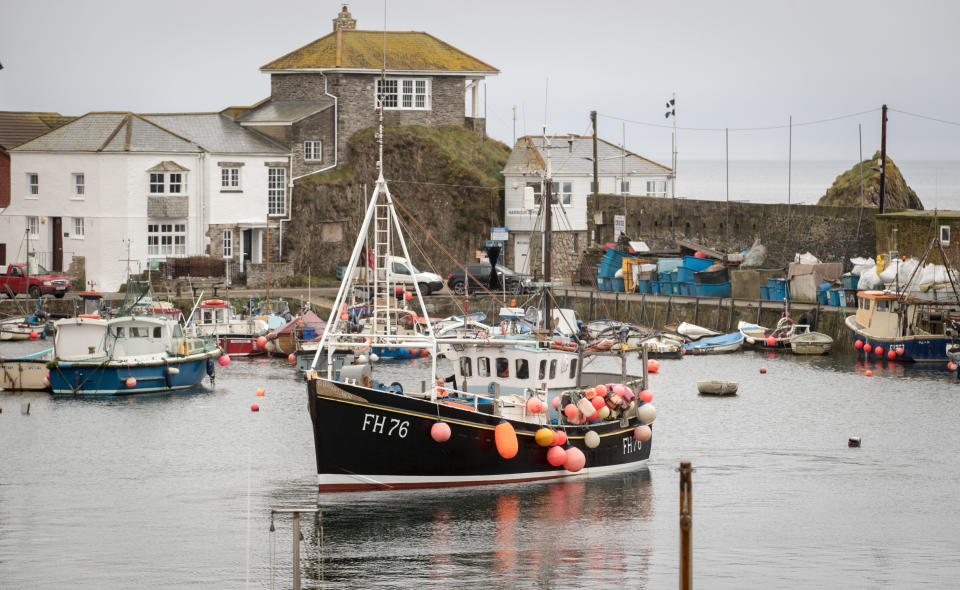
296, 551
643, 355
686, 526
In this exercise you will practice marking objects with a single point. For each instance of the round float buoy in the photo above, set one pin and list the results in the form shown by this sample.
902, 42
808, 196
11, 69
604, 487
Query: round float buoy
591, 439
555, 402
600, 390
254, 408
867, 347
952, 366
534, 405
575, 460
224, 360
559, 437
763, 370
751, 340
642, 433
261, 392
362, 359
408, 296
646, 396
597, 402
131, 382
853, 441
891, 354
556, 456
589, 393
594, 417
33, 334
878, 350
271, 347
570, 411
506, 440
544, 437
292, 358
343, 316
771, 341
374, 357
869, 373
440, 432
604, 413
699, 254
262, 342
647, 413
653, 365
858, 344
46, 380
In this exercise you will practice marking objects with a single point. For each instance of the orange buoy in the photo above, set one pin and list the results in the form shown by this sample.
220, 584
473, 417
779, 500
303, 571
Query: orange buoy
653, 365
763, 370
131, 382
261, 392
292, 358
254, 408
506, 439
869, 373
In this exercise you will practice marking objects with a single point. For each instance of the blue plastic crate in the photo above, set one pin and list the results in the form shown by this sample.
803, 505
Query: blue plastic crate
655, 287
836, 298
685, 274
779, 293
686, 289
308, 333
822, 297
643, 286
669, 264
713, 289
666, 287
764, 292
341, 270
775, 283
669, 276
697, 264
850, 281
601, 283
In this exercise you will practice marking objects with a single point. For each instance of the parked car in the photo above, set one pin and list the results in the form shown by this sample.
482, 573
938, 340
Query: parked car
15, 280
401, 274
511, 282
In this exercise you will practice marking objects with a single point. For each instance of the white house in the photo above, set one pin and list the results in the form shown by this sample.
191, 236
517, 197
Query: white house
571, 164
156, 186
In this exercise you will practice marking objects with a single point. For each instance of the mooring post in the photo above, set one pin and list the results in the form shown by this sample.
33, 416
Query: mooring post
643, 355
643, 303
730, 317
696, 311
616, 305
296, 551
590, 315
759, 309
686, 526
719, 311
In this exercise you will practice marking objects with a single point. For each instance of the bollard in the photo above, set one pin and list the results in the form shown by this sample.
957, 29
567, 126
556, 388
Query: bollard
686, 526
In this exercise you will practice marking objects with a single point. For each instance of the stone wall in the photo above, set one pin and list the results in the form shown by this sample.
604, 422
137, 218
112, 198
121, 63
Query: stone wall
168, 207
833, 234
316, 127
257, 273
910, 234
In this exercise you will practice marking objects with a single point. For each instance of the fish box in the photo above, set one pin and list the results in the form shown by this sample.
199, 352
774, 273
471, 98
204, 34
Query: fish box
713, 289
697, 264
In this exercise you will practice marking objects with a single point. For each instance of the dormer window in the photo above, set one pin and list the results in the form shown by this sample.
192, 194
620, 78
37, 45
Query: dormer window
167, 178
404, 93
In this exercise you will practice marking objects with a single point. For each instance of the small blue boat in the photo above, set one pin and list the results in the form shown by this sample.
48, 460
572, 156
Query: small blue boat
715, 344
127, 355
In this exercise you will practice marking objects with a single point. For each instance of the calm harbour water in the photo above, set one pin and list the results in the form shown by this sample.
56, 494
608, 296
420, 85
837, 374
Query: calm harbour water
174, 491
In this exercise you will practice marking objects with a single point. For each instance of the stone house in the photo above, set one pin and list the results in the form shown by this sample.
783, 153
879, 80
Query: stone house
325, 91
154, 186
570, 157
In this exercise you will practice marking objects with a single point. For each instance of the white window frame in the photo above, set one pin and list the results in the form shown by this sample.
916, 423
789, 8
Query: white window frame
79, 186
405, 94
33, 227
945, 235
624, 186
230, 178
166, 238
79, 229
164, 183
228, 243
563, 192
313, 150
33, 185
656, 188
276, 191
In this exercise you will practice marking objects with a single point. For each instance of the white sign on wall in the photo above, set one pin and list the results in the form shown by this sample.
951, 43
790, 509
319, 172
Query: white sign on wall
619, 226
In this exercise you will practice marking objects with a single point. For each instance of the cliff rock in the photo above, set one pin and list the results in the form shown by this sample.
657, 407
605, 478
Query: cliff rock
845, 191
447, 178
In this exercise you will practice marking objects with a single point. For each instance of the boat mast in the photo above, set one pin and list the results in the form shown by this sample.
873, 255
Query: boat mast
547, 240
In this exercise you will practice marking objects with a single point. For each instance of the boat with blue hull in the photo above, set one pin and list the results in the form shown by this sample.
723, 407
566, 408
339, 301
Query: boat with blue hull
127, 355
715, 344
914, 329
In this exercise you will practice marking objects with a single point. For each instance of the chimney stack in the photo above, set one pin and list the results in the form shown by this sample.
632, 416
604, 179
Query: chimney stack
344, 21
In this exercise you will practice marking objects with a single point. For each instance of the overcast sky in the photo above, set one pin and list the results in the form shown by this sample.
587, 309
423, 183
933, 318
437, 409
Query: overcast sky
734, 64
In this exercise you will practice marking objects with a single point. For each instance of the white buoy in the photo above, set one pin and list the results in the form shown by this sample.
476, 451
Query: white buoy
362, 359
591, 439
374, 357
647, 413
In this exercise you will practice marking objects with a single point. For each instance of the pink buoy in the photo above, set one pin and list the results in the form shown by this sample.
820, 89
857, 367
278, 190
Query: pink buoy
699, 254
254, 408
878, 350
600, 390
575, 460
570, 411
262, 342
131, 382
224, 360
408, 296
560, 437
891, 355
646, 396
653, 365
343, 316
34, 335
534, 405
858, 344
440, 432
555, 402
867, 347
398, 290
619, 390
952, 366
597, 402
771, 341
869, 373
292, 358
642, 433
556, 456
899, 352
763, 370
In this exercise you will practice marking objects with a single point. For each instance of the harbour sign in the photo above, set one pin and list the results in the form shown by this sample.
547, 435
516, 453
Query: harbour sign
499, 234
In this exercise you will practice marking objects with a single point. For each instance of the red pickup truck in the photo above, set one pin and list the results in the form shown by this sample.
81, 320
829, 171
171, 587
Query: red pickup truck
15, 280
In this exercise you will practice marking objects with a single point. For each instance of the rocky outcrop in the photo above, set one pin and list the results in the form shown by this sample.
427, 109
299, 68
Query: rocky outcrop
845, 191
447, 178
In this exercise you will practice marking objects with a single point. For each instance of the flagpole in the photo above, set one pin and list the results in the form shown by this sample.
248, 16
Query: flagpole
672, 111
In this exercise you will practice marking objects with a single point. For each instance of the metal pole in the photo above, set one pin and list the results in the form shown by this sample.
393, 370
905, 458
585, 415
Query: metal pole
596, 179
726, 136
673, 184
789, 168
296, 551
883, 155
686, 526
860, 142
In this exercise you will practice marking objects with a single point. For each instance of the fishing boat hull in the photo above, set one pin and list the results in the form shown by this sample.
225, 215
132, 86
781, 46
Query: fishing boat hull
240, 345
27, 372
368, 439
111, 378
921, 349
723, 344
811, 343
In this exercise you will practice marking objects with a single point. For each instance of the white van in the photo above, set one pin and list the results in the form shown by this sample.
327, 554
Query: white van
403, 273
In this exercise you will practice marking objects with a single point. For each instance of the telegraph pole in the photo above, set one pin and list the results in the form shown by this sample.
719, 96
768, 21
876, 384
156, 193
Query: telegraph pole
883, 155
596, 179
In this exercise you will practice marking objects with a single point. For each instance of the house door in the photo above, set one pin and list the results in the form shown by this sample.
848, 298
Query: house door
57, 225
247, 247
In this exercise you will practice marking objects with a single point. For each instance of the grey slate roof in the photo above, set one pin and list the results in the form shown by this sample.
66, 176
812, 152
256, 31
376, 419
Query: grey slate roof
573, 154
285, 111
18, 127
177, 133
